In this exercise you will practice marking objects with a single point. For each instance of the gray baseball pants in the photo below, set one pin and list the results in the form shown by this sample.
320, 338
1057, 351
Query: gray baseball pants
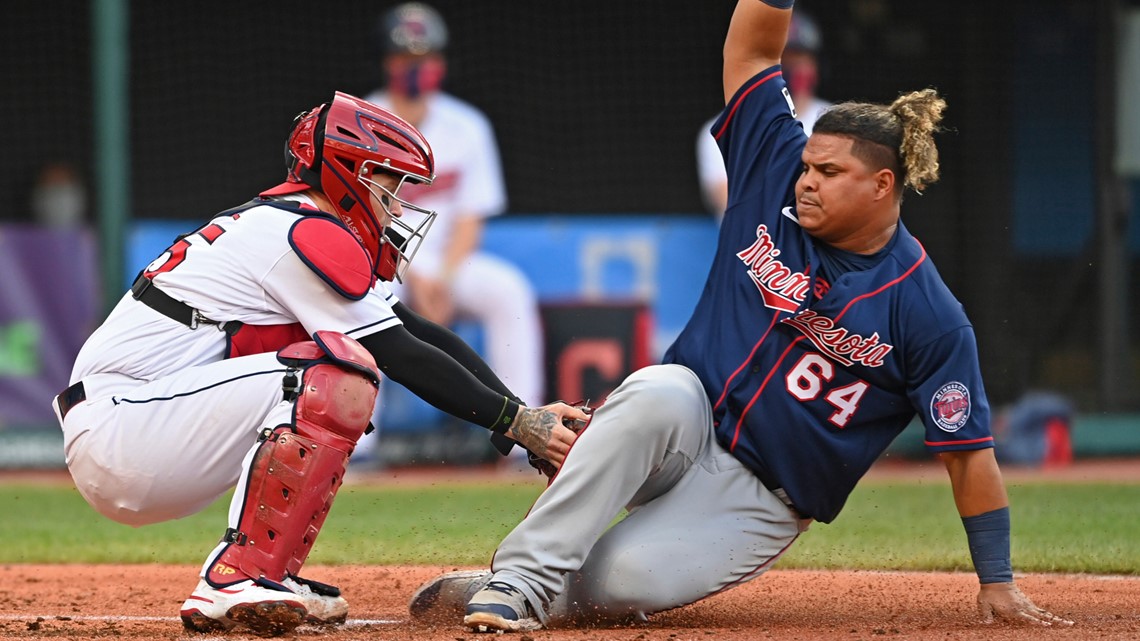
698, 521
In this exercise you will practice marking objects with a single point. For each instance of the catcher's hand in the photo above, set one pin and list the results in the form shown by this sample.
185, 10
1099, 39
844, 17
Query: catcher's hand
557, 423
1005, 601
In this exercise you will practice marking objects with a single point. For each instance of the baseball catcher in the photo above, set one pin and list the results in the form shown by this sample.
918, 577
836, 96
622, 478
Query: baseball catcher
248, 355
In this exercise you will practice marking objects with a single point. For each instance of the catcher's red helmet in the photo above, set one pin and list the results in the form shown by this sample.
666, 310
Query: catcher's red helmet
336, 147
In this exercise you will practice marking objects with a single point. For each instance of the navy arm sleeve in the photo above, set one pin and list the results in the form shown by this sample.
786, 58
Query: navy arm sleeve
946, 390
436, 377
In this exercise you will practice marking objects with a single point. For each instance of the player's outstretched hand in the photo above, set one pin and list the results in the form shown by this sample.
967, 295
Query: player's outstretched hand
543, 430
1005, 601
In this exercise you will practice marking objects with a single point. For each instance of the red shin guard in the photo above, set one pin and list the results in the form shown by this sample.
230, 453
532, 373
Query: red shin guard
297, 469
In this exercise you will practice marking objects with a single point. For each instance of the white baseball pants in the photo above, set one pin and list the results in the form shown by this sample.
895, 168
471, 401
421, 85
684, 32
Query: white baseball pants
142, 452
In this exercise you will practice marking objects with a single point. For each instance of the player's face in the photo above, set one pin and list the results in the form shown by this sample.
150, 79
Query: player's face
383, 204
839, 199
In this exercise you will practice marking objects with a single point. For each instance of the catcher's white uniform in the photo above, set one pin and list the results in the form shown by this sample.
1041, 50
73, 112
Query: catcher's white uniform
168, 420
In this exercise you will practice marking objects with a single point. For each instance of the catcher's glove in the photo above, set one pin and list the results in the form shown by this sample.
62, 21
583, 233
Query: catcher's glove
544, 466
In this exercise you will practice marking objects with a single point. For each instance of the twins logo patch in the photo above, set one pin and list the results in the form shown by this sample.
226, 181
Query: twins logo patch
950, 406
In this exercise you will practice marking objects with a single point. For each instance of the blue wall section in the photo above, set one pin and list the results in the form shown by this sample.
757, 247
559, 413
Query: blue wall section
660, 260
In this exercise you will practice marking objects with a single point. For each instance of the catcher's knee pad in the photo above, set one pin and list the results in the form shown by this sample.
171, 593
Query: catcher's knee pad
336, 394
297, 469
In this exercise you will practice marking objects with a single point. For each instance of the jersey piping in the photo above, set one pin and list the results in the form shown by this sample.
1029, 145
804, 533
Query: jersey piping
117, 400
740, 99
969, 442
779, 361
728, 382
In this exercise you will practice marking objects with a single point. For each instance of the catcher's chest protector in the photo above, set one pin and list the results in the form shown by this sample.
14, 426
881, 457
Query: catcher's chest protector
297, 469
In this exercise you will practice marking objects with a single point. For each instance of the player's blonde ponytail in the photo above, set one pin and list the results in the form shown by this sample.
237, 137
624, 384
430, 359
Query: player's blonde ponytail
920, 112
899, 136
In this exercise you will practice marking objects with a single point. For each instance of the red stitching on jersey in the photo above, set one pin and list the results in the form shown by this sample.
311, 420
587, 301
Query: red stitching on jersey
736, 105
969, 442
888, 285
756, 396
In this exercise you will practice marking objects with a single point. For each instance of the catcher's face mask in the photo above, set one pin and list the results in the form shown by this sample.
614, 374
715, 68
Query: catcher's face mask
405, 224
344, 148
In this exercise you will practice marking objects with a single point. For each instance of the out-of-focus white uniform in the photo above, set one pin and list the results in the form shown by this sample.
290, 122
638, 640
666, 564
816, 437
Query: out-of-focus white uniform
469, 182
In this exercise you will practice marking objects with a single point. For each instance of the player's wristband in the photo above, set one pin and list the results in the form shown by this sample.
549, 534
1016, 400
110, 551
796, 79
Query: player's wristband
506, 416
779, 4
988, 536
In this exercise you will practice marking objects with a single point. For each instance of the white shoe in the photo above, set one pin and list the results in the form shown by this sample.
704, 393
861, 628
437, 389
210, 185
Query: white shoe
265, 612
324, 603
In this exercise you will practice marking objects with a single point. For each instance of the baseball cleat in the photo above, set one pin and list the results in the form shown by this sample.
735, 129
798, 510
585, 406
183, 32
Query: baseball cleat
262, 611
500, 607
445, 597
324, 603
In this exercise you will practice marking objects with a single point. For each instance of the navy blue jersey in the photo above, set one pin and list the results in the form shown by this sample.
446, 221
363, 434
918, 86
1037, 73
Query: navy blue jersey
814, 373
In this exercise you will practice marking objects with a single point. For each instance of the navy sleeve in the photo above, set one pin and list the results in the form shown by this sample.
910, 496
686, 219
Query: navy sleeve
945, 386
760, 139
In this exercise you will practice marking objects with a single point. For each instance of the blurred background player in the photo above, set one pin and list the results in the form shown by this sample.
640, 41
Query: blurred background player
800, 63
58, 197
452, 277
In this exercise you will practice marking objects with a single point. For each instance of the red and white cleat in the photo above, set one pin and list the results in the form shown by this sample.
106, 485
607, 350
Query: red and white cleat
263, 611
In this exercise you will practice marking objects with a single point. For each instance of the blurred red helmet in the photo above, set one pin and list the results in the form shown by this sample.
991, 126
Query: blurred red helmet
336, 148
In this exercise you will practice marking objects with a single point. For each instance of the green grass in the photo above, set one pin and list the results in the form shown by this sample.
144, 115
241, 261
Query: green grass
1086, 528
372, 525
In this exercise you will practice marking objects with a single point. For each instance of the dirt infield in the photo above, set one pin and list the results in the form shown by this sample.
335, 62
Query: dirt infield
141, 602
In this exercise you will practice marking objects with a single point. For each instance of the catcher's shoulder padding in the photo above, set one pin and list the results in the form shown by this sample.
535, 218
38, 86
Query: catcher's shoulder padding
333, 253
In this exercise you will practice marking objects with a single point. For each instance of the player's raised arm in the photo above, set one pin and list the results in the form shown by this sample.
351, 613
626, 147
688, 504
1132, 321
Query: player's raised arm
755, 40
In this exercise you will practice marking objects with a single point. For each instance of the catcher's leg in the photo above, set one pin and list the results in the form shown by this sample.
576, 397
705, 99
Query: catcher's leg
291, 478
